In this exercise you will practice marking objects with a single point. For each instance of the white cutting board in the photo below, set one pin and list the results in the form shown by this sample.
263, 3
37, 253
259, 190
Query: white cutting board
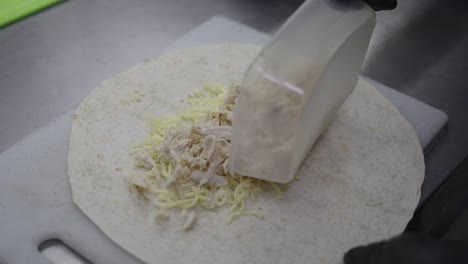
35, 197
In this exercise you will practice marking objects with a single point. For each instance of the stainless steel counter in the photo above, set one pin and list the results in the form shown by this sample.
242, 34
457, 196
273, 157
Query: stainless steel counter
51, 61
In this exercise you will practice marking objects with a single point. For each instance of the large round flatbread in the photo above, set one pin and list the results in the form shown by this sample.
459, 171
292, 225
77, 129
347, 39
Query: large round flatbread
360, 183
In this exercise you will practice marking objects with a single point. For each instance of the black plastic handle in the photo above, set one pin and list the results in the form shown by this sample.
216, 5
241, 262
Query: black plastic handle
379, 5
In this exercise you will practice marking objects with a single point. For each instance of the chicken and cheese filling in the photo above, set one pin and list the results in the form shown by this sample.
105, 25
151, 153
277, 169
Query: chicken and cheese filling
187, 157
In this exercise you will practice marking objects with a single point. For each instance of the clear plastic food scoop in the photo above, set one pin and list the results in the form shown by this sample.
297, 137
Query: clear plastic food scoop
294, 87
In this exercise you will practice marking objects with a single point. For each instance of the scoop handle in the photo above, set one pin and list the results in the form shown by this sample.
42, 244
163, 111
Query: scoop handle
379, 5
296, 84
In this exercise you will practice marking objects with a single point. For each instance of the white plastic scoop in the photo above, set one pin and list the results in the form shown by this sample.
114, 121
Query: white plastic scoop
295, 86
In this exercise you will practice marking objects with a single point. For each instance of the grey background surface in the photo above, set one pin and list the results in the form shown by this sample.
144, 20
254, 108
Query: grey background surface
51, 61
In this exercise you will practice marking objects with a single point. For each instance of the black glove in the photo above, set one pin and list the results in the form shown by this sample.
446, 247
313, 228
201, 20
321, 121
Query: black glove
378, 5
409, 249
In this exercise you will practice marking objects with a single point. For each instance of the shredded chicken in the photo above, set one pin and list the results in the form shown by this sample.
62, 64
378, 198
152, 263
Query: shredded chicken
145, 159
219, 132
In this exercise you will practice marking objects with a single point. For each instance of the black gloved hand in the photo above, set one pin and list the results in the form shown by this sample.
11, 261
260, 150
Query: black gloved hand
378, 5
409, 249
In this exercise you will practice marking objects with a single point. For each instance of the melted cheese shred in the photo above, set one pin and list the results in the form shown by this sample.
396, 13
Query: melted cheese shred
167, 191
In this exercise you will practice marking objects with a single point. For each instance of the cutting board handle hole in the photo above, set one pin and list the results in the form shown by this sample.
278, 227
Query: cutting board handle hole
59, 253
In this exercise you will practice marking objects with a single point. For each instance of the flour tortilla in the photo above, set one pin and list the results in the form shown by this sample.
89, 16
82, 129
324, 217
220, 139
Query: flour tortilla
360, 183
